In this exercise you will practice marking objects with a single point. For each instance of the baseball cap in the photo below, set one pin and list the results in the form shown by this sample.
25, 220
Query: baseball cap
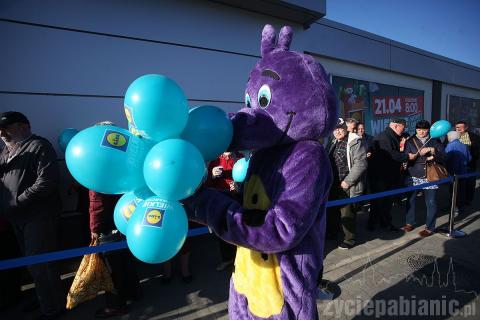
10, 117
399, 121
341, 124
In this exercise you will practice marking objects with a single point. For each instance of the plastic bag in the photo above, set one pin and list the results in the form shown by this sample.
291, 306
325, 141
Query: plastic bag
92, 277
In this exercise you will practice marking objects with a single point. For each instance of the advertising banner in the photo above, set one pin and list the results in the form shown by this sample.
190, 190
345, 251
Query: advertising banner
375, 104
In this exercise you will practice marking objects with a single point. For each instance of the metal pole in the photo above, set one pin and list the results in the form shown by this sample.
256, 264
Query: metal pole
451, 218
451, 232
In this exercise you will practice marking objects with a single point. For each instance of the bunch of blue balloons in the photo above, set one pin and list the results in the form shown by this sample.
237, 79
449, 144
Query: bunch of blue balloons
158, 161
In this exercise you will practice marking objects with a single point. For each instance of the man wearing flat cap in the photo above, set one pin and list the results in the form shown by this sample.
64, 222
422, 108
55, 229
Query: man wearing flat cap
386, 161
30, 201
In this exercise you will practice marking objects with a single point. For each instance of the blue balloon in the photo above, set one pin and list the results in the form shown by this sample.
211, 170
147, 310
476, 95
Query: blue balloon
156, 107
239, 171
107, 159
174, 169
210, 130
126, 205
440, 128
65, 136
157, 230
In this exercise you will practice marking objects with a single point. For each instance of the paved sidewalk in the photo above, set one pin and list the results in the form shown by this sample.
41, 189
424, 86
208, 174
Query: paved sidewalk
391, 270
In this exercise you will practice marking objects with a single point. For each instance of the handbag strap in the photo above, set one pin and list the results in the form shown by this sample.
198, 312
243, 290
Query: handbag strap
414, 138
415, 142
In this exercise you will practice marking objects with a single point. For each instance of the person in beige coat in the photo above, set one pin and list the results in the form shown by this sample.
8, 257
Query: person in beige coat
348, 157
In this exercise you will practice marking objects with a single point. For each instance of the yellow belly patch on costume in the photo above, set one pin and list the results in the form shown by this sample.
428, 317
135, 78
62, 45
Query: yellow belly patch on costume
257, 275
259, 280
254, 195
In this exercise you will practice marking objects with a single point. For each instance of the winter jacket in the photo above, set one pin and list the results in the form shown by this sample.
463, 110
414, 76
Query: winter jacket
368, 142
474, 149
458, 157
416, 168
29, 181
357, 164
223, 182
101, 211
386, 159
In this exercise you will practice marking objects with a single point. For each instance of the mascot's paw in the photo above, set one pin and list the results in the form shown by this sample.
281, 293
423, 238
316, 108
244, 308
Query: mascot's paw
190, 205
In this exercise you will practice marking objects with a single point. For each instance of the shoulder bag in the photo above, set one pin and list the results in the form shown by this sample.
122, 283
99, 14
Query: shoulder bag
433, 170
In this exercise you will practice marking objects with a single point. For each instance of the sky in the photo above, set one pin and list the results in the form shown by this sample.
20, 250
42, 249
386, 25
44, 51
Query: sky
450, 28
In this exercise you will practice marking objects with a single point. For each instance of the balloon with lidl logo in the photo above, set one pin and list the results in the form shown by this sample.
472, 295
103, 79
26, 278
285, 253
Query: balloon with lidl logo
440, 128
156, 107
173, 169
126, 205
65, 136
157, 230
210, 130
239, 170
107, 159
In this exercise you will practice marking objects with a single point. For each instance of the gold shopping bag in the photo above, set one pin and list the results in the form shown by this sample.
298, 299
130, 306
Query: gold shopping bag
92, 277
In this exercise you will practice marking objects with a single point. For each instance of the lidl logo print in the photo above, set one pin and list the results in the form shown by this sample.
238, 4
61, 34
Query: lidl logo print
116, 140
128, 210
153, 218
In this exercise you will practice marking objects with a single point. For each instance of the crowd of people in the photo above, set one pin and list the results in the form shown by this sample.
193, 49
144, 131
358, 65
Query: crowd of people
30, 204
396, 160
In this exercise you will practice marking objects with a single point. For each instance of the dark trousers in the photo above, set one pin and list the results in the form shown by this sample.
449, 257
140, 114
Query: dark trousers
461, 194
380, 208
122, 267
470, 184
39, 235
341, 216
9, 278
227, 250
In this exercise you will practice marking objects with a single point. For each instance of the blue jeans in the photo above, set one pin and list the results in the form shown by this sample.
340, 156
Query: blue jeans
431, 204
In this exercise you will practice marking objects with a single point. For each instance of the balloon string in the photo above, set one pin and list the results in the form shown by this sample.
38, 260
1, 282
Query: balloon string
423, 145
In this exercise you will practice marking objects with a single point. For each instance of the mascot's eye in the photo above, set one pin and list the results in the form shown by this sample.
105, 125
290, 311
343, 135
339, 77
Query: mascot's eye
248, 103
264, 96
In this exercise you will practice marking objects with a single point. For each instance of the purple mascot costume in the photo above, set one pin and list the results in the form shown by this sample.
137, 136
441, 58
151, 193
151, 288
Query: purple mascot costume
279, 227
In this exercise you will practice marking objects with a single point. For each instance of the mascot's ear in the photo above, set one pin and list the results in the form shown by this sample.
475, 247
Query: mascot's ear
285, 38
268, 40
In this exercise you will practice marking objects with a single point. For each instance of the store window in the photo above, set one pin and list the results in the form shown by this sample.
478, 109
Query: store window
375, 103
464, 109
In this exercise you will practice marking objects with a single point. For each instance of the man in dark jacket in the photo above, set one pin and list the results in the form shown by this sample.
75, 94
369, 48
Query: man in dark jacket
29, 199
472, 141
385, 164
